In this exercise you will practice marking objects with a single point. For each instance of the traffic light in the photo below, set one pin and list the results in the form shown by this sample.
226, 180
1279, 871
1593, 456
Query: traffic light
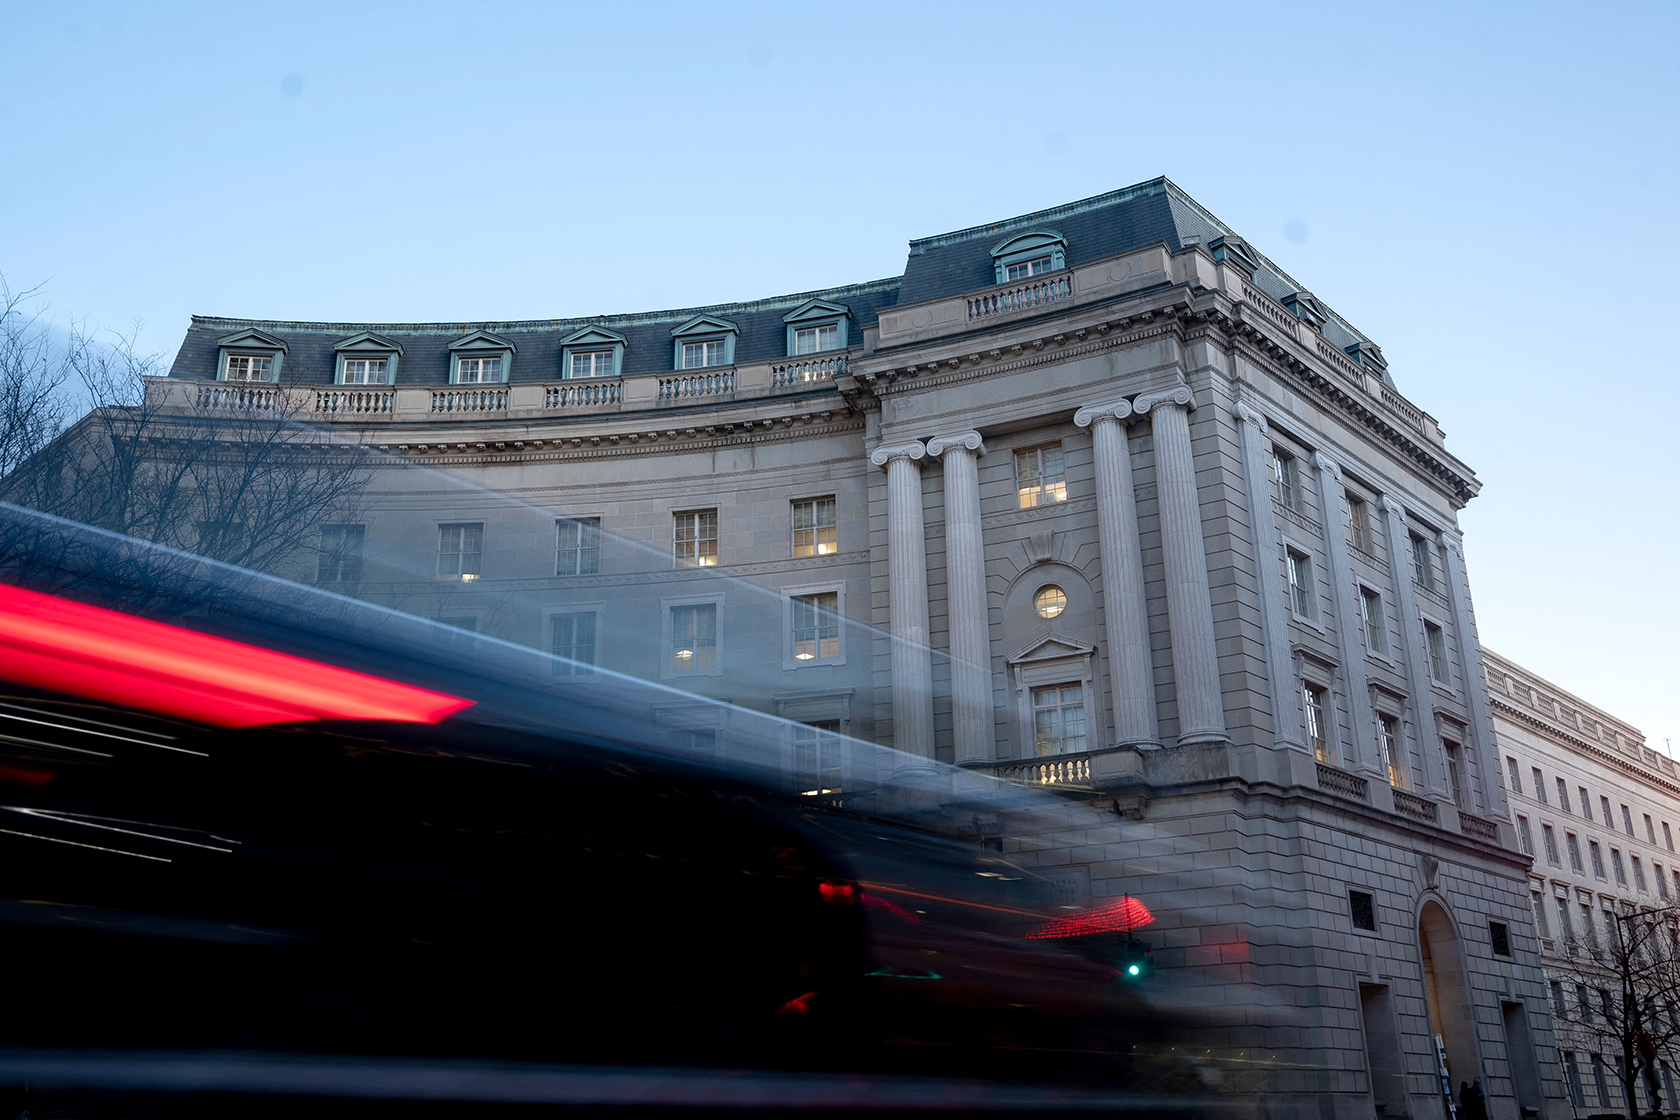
1137, 960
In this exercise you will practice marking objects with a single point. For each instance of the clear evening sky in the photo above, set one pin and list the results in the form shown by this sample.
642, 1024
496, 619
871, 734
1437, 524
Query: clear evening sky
1490, 194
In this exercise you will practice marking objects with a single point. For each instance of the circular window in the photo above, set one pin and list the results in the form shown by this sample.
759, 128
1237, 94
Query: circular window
1050, 601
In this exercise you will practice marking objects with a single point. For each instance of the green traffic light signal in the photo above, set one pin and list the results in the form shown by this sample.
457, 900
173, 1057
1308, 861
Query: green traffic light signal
1137, 960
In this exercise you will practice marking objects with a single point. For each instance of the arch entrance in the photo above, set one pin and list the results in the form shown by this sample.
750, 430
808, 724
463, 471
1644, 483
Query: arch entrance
1447, 991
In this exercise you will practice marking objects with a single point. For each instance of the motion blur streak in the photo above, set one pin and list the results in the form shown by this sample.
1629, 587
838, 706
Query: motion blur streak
69, 647
1122, 915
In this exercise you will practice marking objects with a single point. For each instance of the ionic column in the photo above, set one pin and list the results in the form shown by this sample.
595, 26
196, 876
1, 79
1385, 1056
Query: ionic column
1274, 608
1131, 680
1347, 619
1201, 712
1475, 683
912, 662
965, 576
1411, 642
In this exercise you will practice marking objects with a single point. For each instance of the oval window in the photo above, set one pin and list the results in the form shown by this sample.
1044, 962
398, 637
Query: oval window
1050, 601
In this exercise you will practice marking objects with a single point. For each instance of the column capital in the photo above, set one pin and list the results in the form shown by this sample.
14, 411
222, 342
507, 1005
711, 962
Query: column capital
1181, 396
1390, 504
1324, 463
969, 441
1091, 413
1250, 415
913, 450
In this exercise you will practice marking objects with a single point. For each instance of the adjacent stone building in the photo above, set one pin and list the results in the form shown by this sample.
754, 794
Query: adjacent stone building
1097, 498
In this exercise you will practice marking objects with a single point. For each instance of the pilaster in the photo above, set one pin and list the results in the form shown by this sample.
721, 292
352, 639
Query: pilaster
1274, 607
1352, 650
1417, 655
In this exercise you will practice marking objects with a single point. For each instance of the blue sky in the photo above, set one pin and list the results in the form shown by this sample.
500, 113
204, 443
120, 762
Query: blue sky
1488, 192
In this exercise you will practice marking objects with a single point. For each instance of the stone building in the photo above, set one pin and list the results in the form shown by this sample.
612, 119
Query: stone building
1098, 498
1598, 811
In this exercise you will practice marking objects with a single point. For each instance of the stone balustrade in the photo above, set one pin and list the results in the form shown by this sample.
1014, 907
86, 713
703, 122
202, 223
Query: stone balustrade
692, 386
354, 403
804, 371
1343, 784
1472, 825
473, 401
1411, 805
1071, 770
1023, 295
582, 394
238, 398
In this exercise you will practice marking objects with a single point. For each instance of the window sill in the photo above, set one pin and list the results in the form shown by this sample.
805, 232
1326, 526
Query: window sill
813, 663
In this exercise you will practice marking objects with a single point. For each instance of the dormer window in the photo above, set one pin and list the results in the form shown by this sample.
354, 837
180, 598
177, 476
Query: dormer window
365, 371
704, 340
367, 359
592, 352
817, 325
1022, 256
591, 363
471, 371
814, 340
249, 355
697, 354
479, 358
250, 367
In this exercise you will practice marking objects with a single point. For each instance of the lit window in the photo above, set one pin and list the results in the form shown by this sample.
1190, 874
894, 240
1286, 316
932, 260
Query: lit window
592, 363
1312, 703
577, 549
694, 638
816, 626
1423, 570
1376, 634
1288, 477
574, 644
816, 758
1027, 268
1389, 732
1574, 846
1040, 476
814, 340
340, 558
1059, 718
1300, 583
460, 551
1050, 601
1437, 652
477, 371
698, 354
365, 371
1359, 515
696, 538
249, 367
814, 529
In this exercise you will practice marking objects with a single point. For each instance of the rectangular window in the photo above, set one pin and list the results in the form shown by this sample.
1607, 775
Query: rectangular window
1676, 875
1511, 768
1573, 1070
340, 558
1590, 936
1287, 474
1040, 476
1559, 1007
816, 758
1549, 835
1538, 905
1616, 865
1668, 837
1662, 882
592, 363
1638, 874
1563, 795
1604, 807
1312, 703
1359, 518
699, 354
1525, 839
478, 371
573, 644
696, 538
814, 530
1563, 919
1300, 583
1650, 831
365, 371
1423, 570
1627, 821
1597, 858
1389, 732
577, 548
816, 626
1026, 269
1499, 936
1539, 785
1574, 847
1363, 909
814, 340
1437, 652
1586, 802
1059, 718
248, 367
460, 551
1376, 634
694, 638
1455, 773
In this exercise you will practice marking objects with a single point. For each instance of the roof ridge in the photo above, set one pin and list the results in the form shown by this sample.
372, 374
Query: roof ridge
1096, 202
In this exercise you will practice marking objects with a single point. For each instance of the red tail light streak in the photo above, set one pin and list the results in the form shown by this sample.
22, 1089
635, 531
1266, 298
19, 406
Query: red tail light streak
1122, 915
65, 646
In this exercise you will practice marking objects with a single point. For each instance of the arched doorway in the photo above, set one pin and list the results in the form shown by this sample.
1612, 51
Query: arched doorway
1447, 991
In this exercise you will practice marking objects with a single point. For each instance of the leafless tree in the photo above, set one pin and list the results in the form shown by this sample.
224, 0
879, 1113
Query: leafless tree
32, 377
1626, 1003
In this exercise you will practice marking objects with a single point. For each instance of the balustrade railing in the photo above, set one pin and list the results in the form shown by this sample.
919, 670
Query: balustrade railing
1475, 826
583, 394
689, 385
1047, 771
239, 398
1021, 297
1342, 784
469, 400
799, 371
1403, 410
361, 402
1411, 805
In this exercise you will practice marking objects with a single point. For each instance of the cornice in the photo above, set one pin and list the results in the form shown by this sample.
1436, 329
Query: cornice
1582, 746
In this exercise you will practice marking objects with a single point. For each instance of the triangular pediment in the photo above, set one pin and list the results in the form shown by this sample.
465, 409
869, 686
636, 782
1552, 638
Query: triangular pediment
593, 336
482, 340
253, 339
706, 324
1028, 241
817, 309
1053, 647
367, 341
